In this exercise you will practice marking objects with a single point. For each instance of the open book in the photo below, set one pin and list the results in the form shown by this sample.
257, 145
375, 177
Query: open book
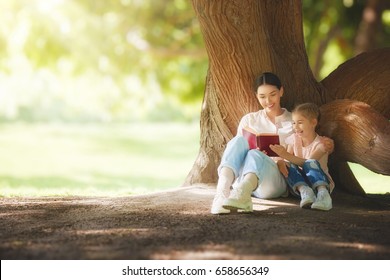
261, 141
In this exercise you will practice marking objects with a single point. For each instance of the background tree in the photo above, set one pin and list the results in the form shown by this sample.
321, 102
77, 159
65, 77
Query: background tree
372, 32
245, 38
96, 60
100, 60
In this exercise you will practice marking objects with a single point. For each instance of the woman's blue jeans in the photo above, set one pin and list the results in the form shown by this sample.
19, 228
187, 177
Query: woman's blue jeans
241, 160
311, 175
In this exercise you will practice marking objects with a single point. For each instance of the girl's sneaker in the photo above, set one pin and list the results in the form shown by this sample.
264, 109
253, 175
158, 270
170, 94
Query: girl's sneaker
323, 201
307, 197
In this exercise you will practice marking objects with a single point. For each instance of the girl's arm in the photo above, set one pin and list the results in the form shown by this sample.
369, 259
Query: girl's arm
282, 152
282, 164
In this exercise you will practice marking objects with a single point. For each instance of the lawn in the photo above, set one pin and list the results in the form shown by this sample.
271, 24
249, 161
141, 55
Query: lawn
118, 159
108, 160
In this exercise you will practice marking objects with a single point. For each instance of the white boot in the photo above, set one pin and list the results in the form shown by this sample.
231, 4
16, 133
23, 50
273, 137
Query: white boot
216, 207
226, 178
240, 198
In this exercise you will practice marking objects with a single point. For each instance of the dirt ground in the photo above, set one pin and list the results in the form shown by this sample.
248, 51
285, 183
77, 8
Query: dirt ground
177, 225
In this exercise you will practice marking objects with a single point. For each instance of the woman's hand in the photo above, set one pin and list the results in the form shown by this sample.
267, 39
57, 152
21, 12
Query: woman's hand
328, 143
282, 166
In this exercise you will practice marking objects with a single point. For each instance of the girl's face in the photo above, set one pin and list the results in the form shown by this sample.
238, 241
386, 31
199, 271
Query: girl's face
269, 97
303, 126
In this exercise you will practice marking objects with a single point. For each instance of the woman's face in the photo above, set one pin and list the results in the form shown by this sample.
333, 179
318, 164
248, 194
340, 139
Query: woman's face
269, 97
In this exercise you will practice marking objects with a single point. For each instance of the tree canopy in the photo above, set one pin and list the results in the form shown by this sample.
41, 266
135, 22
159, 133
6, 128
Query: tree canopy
125, 60
98, 60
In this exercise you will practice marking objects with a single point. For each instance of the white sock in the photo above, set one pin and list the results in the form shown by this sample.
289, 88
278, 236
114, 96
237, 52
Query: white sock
322, 189
225, 180
302, 188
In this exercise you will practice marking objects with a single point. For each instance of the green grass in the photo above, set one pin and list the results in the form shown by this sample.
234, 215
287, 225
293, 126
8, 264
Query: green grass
370, 181
95, 159
107, 160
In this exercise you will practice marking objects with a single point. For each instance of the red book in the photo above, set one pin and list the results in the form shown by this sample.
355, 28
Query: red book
261, 141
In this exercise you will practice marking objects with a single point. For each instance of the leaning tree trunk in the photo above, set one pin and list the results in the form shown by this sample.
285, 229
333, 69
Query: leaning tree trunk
361, 133
244, 38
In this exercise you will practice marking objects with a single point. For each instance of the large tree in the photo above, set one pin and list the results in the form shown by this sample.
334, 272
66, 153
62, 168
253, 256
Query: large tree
244, 38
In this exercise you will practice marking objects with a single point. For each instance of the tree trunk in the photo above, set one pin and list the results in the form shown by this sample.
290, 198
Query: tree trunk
361, 134
343, 121
365, 78
244, 38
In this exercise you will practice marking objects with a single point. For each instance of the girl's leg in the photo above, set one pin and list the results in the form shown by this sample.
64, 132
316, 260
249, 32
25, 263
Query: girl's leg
320, 183
231, 162
299, 187
314, 173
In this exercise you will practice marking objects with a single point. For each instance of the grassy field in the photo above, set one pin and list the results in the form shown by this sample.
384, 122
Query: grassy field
107, 160
95, 159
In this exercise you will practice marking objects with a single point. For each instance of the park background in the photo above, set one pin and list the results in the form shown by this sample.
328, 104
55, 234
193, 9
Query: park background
104, 97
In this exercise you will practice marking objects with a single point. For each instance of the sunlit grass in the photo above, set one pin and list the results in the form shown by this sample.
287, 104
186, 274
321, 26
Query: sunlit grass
370, 181
95, 159
108, 160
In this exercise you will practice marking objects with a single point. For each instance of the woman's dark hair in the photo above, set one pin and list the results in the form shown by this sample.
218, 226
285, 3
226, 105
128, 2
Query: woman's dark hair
267, 78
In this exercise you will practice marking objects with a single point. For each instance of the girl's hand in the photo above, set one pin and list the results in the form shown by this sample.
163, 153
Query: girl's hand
279, 150
282, 166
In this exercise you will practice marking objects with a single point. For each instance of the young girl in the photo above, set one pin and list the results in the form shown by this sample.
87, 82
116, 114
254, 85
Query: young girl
252, 171
308, 158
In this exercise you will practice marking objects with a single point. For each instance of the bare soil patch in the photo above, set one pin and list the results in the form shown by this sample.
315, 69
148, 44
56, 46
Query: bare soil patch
177, 225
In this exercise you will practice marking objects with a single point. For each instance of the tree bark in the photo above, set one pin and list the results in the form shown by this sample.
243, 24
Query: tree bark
244, 38
361, 134
343, 120
365, 78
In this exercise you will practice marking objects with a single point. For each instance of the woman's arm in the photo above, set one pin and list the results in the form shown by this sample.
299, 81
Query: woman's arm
328, 144
282, 166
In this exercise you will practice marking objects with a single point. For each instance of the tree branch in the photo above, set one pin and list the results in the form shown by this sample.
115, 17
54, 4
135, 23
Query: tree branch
361, 134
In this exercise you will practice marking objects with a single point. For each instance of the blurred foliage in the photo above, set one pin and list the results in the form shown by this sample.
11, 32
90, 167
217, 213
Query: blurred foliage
124, 60
331, 28
100, 60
